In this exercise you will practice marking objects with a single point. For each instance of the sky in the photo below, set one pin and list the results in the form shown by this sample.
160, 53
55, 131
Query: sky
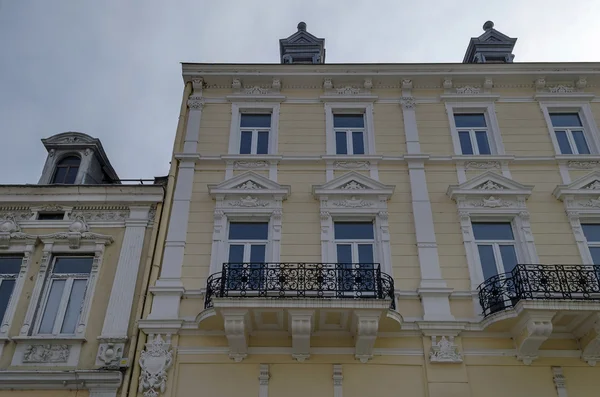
112, 69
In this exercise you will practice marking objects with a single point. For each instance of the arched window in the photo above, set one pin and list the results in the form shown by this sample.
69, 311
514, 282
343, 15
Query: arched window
66, 170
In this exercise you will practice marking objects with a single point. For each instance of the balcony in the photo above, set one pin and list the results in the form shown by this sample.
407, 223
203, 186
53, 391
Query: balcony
303, 300
533, 301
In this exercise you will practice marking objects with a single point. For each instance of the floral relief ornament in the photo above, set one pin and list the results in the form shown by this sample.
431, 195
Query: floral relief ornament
353, 185
444, 351
490, 185
594, 185
155, 361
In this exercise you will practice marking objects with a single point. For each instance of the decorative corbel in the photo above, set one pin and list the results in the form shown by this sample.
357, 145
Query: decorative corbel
365, 334
236, 330
559, 381
488, 84
540, 83
581, 83
447, 85
368, 84
530, 333
9, 229
276, 85
590, 343
407, 86
300, 325
236, 85
328, 84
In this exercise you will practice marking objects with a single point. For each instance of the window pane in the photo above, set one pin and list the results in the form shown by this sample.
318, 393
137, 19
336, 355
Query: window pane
71, 160
236, 254
469, 120
59, 176
257, 253
565, 119
509, 257
248, 231
262, 145
6, 289
358, 143
465, 142
73, 265
488, 263
71, 175
74, 307
482, 142
56, 291
365, 253
340, 143
344, 253
51, 216
591, 231
563, 142
353, 230
260, 120
348, 121
10, 265
582, 146
492, 231
595, 251
246, 142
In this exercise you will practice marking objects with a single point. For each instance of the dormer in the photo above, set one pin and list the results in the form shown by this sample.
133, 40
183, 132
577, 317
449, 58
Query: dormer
302, 48
491, 47
76, 159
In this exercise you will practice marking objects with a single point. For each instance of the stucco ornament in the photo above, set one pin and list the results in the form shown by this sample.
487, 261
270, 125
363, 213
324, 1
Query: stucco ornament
444, 351
155, 361
9, 229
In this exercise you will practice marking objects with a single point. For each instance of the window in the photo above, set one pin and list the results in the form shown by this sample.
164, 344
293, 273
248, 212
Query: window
247, 254
569, 132
496, 247
472, 133
254, 133
592, 235
66, 171
9, 270
349, 133
51, 216
64, 295
354, 243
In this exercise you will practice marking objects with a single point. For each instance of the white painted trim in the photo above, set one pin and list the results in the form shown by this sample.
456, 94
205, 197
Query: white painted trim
584, 111
288, 351
234, 131
73, 346
60, 380
489, 111
338, 378
366, 108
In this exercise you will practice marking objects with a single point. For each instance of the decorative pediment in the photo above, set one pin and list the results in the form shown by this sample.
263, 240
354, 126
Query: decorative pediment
249, 186
582, 194
10, 230
353, 184
256, 92
78, 232
489, 184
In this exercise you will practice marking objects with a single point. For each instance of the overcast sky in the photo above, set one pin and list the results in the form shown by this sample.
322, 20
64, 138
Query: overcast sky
111, 68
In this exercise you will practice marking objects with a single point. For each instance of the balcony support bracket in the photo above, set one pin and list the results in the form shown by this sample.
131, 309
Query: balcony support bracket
530, 333
300, 326
365, 329
590, 343
237, 324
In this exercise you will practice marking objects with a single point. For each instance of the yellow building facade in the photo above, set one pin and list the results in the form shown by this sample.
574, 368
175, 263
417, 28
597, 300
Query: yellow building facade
380, 229
75, 255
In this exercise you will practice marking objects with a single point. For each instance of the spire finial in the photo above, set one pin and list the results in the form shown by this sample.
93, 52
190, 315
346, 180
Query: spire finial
489, 25
302, 26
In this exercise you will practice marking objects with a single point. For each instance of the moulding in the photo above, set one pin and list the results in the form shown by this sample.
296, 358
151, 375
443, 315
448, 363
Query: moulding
61, 380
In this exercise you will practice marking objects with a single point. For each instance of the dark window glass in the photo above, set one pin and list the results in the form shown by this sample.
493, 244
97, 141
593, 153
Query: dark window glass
74, 306
10, 265
509, 257
66, 170
246, 142
591, 231
492, 231
6, 289
580, 142
52, 305
262, 144
488, 262
344, 253
595, 251
482, 142
257, 253
465, 142
66, 264
248, 231
365, 253
236, 254
563, 142
260, 120
353, 230
51, 216
469, 120
565, 119
358, 143
340, 143
348, 121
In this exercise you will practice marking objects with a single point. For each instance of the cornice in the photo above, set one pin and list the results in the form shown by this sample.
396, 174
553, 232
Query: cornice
35, 380
59, 194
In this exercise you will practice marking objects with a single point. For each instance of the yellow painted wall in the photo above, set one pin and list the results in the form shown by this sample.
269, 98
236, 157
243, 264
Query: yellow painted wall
297, 380
302, 129
232, 380
514, 381
382, 380
523, 129
434, 129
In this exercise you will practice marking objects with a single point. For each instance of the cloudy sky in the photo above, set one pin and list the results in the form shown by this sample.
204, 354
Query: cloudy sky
111, 68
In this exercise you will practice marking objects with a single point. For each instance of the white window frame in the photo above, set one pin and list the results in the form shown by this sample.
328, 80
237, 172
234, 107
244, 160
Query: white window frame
588, 259
366, 109
248, 243
64, 299
491, 122
590, 129
354, 243
349, 138
500, 269
235, 132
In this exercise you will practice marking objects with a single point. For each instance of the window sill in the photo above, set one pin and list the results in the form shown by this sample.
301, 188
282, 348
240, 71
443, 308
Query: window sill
480, 157
570, 96
48, 338
578, 157
469, 97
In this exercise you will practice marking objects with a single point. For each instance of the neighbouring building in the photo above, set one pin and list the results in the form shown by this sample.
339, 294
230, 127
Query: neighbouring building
380, 229
75, 254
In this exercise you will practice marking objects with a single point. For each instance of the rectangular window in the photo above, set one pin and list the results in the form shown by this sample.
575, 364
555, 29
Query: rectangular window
592, 235
247, 254
64, 295
354, 243
51, 216
349, 133
472, 133
569, 132
496, 247
254, 133
9, 271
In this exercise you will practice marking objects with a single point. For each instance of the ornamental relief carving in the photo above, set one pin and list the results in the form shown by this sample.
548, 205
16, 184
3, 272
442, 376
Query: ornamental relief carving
482, 165
249, 201
468, 90
490, 185
352, 165
95, 216
154, 362
444, 351
17, 215
250, 164
492, 202
352, 202
353, 185
46, 354
583, 165
249, 185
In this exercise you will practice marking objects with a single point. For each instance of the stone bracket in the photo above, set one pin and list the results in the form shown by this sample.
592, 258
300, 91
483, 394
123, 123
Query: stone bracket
237, 328
110, 352
365, 333
590, 343
530, 333
300, 326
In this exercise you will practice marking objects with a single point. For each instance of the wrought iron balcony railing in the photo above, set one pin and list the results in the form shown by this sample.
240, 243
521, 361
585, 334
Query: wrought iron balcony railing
543, 282
300, 280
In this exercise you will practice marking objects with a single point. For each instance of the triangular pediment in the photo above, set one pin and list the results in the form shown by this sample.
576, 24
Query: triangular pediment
353, 183
489, 183
587, 185
302, 37
493, 35
249, 182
